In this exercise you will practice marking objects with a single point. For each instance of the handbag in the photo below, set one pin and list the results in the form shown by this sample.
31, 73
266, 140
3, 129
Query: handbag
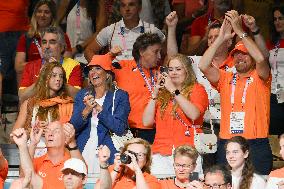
206, 143
118, 141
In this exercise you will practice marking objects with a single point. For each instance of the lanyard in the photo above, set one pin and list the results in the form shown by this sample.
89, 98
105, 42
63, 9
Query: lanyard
187, 132
234, 83
78, 15
209, 19
122, 37
275, 65
38, 47
149, 85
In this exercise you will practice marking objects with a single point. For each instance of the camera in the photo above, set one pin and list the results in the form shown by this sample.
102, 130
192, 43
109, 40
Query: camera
126, 159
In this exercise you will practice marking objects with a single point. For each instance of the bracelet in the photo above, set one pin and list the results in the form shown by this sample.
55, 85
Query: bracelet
256, 32
71, 149
243, 35
105, 166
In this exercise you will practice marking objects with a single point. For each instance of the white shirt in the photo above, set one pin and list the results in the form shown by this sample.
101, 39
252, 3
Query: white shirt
257, 182
118, 35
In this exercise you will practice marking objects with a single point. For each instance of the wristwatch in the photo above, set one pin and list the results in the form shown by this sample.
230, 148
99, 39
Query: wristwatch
176, 92
71, 149
243, 35
104, 166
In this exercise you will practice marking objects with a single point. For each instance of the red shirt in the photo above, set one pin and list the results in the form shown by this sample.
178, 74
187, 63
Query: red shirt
33, 52
199, 25
14, 15
3, 174
71, 67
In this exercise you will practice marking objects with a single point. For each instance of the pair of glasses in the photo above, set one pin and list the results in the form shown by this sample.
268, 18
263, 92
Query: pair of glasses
184, 166
214, 186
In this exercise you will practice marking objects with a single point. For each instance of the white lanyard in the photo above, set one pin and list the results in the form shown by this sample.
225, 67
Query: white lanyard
234, 83
149, 85
275, 66
38, 47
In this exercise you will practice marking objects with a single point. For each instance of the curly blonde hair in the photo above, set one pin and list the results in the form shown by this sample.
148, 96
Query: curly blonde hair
42, 92
164, 96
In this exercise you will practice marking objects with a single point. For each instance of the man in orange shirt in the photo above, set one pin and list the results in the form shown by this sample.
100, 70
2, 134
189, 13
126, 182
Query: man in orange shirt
3, 169
45, 171
244, 95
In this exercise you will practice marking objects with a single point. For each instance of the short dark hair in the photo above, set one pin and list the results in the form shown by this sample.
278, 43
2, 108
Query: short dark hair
220, 169
139, 2
214, 25
142, 42
56, 30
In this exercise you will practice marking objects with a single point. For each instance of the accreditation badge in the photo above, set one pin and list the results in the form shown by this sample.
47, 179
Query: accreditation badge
237, 122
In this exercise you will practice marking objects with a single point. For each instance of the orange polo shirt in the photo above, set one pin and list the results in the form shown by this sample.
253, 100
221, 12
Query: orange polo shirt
256, 108
49, 172
170, 131
3, 174
130, 79
168, 184
124, 182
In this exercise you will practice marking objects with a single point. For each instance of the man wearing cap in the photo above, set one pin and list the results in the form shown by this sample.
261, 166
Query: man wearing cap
244, 95
45, 171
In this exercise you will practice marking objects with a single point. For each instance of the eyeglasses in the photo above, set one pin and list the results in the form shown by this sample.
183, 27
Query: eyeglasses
184, 166
139, 155
214, 186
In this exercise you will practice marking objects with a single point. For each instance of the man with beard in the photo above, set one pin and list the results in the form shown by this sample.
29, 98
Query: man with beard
53, 46
198, 39
244, 95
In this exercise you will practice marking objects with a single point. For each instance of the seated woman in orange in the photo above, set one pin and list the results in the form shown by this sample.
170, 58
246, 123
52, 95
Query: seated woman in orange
176, 107
131, 167
50, 103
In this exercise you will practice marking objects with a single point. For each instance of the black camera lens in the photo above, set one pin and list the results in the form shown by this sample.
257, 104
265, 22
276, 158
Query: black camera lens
125, 159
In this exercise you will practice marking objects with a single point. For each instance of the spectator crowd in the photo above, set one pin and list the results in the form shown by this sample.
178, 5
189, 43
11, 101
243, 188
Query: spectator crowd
144, 94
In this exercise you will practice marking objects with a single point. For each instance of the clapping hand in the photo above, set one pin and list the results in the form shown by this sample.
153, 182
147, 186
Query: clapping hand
250, 22
69, 132
103, 154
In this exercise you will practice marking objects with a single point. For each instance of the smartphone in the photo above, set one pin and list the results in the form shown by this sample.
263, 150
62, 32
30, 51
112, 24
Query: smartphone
164, 69
193, 176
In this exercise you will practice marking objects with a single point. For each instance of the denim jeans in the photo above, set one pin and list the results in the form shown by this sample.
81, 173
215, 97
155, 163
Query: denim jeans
260, 153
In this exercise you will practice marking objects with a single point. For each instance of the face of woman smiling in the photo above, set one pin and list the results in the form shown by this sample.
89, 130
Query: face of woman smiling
97, 76
43, 16
177, 72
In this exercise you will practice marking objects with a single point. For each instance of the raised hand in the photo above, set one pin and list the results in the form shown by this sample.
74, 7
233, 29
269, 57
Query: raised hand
20, 137
104, 154
115, 51
249, 22
235, 20
133, 165
36, 133
172, 19
117, 163
226, 31
69, 132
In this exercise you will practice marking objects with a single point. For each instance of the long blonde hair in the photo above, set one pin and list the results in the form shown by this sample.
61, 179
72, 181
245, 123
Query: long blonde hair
164, 96
33, 31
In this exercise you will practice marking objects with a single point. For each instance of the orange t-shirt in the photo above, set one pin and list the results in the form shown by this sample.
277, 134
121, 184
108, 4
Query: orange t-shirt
256, 107
14, 15
168, 184
130, 79
278, 173
170, 131
3, 174
49, 172
125, 182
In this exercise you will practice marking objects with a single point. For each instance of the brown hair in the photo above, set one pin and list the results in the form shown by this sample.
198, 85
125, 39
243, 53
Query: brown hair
248, 169
188, 151
42, 92
147, 146
164, 96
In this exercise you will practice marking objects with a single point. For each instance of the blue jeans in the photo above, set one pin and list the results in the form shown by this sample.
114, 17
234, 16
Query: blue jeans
260, 153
